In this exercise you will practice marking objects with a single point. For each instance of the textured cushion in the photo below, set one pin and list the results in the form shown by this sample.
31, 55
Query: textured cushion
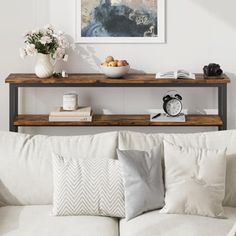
210, 140
37, 221
143, 181
25, 163
87, 187
194, 181
157, 224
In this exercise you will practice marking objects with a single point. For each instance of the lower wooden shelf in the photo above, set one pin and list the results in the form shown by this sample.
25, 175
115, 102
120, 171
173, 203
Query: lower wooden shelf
119, 120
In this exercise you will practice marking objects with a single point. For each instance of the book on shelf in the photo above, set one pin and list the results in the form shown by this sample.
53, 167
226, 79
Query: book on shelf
79, 112
179, 74
70, 118
166, 118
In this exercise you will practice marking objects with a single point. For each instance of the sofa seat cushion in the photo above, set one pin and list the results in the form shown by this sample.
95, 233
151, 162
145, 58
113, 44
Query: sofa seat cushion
154, 223
37, 221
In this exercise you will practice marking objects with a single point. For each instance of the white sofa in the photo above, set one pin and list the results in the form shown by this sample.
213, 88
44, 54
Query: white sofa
26, 186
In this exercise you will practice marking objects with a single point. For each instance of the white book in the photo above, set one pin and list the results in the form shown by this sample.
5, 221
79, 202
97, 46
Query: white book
81, 112
165, 118
179, 74
70, 119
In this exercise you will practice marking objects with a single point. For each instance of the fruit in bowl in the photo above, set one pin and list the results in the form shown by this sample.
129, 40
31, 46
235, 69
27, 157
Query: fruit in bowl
115, 68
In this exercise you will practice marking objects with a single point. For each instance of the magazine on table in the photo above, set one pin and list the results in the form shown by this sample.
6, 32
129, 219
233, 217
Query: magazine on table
179, 74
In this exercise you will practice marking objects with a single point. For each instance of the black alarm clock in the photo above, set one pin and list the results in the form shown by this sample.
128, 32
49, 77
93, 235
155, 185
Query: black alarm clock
172, 104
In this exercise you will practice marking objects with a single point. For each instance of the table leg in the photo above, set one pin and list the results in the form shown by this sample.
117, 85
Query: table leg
222, 105
13, 103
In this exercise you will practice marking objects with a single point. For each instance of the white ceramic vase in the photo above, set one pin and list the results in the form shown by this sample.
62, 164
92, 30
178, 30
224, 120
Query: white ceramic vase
44, 67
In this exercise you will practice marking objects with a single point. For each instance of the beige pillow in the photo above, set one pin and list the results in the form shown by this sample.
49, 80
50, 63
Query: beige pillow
195, 180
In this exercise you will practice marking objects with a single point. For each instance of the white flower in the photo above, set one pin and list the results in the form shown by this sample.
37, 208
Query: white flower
23, 53
63, 42
35, 31
30, 49
27, 33
45, 39
59, 54
60, 33
43, 31
49, 27
41, 39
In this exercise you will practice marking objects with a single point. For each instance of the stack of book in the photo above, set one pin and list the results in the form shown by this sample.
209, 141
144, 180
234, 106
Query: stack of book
82, 114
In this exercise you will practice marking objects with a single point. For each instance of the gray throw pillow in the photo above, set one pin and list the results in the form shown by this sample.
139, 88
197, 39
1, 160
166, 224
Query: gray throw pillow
143, 181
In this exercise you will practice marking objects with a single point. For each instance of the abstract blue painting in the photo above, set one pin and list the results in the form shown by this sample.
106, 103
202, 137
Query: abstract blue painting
116, 20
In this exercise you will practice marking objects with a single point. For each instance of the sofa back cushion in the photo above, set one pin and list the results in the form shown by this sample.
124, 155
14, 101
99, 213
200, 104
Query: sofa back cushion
211, 140
26, 163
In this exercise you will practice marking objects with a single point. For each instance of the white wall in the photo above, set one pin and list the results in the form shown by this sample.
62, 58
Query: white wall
198, 32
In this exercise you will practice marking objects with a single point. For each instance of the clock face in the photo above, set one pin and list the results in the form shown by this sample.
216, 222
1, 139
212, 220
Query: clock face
173, 107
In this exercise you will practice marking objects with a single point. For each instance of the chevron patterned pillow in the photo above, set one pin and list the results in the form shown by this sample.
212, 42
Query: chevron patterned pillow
87, 187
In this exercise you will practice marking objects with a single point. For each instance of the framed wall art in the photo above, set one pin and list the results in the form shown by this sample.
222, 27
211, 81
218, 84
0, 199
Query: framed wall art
120, 21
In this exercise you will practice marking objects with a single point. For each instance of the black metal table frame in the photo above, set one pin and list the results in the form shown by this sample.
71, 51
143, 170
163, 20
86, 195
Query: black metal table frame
222, 95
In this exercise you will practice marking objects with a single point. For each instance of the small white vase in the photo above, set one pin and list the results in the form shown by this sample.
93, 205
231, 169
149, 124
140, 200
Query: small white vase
44, 67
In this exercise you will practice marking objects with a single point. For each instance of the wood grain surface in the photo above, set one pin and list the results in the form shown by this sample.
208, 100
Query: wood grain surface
119, 120
100, 79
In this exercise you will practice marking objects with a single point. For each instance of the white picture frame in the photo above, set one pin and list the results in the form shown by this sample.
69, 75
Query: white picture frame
97, 40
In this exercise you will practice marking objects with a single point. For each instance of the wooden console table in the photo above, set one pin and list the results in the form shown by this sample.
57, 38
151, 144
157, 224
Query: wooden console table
17, 81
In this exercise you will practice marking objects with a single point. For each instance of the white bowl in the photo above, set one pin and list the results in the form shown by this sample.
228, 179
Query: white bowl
115, 72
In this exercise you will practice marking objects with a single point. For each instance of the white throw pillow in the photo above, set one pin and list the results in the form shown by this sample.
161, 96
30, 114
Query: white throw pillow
210, 140
87, 187
195, 180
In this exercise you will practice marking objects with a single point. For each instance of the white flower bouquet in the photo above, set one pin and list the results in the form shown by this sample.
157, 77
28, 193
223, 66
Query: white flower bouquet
49, 45
46, 41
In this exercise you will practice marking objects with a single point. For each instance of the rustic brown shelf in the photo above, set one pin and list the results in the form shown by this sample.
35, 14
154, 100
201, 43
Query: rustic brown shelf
119, 120
17, 81
94, 80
